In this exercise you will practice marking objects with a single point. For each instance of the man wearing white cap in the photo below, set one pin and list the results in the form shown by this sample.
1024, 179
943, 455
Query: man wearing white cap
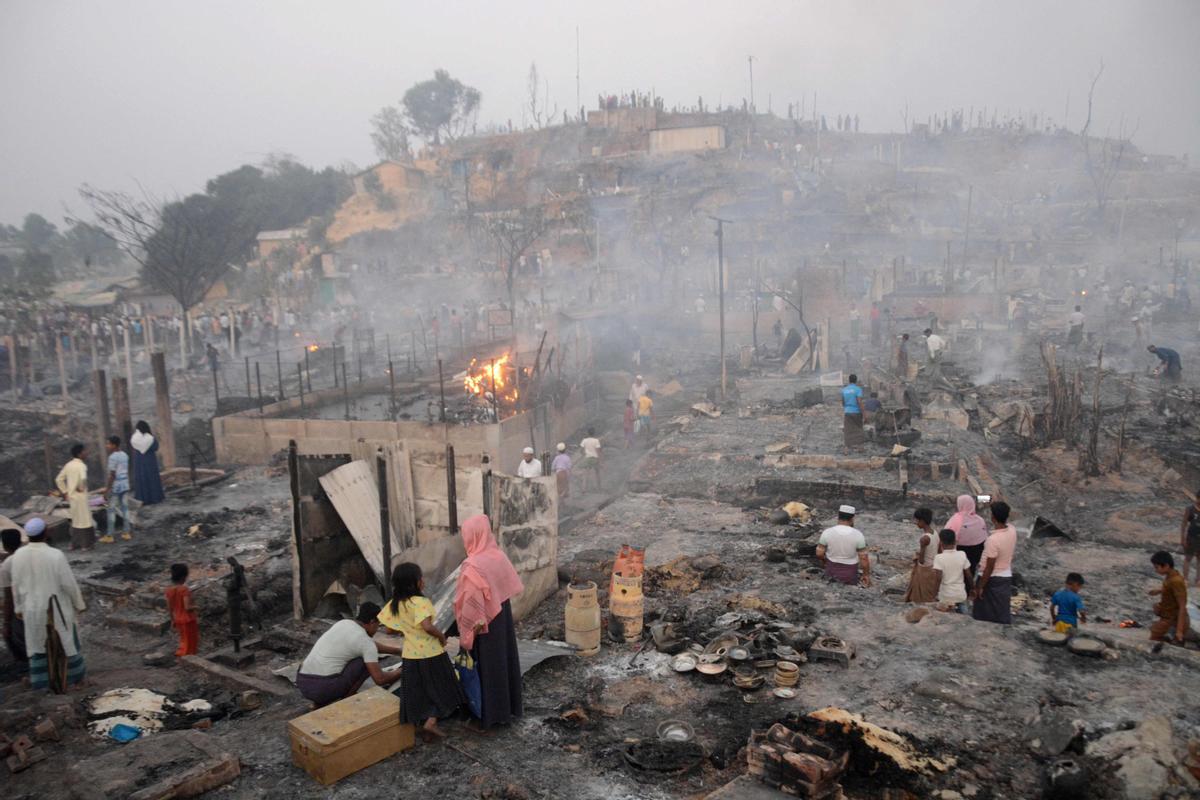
561, 467
529, 467
638, 390
843, 548
43, 582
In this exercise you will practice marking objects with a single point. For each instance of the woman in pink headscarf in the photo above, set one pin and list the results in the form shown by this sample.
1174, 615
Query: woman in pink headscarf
486, 583
970, 530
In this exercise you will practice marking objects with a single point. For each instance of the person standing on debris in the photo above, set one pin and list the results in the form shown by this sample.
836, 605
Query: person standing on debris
431, 688
954, 574
852, 417
993, 593
14, 628
1066, 606
529, 467
902, 357
147, 481
923, 581
843, 548
591, 458
1171, 367
638, 389
645, 412
936, 346
561, 467
181, 612
970, 529
116, 491
72, 487
487, 583
1075, 329
1173, 622
47, 599
1189, 537
340, 661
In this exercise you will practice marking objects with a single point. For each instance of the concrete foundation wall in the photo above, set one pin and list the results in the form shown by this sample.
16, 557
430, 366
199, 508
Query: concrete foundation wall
682, 140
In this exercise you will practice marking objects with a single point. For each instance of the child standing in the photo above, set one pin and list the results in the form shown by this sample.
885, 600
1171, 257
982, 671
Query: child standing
431, 688
116, 491
183, 611
645, 412
955, 570
1066, 606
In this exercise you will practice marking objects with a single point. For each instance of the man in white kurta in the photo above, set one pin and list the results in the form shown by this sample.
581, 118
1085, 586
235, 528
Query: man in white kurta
72, 485
39, 573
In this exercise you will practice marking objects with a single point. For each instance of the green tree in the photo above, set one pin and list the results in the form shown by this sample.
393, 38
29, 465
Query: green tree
184, 246
389, 135
441, 108
38, 233
35, 270
89, 245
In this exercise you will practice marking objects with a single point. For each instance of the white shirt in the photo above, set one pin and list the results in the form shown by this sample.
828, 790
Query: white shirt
637, 391
842, 544
39, 571
935, 343
951, 564
591, 447
529, 469
699, 305
1076, 318
337, 647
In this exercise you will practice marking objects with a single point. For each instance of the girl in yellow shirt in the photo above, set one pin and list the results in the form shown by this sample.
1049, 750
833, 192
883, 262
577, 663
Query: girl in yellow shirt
430, 685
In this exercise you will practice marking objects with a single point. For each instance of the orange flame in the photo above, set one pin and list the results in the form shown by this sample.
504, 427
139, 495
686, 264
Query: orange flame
499, 374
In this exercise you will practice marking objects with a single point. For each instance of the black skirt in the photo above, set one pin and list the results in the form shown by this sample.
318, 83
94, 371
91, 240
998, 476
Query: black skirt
430, 689
499, 666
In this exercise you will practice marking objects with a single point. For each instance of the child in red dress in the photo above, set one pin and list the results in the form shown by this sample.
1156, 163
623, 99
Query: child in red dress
183, 611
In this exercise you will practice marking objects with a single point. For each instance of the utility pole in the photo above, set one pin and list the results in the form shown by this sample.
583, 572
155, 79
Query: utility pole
750, 61
967, 227
721, 292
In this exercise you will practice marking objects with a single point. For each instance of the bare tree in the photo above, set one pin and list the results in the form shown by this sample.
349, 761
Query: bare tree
184, 246
1102, 157
539, 107
515, 232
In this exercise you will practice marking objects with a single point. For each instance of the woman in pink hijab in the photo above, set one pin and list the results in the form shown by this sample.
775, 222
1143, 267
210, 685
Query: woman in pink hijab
486, 583
970, 530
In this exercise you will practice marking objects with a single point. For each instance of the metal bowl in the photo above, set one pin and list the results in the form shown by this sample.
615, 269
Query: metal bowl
784, 693
675, 730
749, 683
712, 670
738, 654
684, 662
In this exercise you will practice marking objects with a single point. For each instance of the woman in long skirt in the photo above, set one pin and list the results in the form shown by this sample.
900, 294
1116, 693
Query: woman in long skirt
482, 610
147, 483
431, 689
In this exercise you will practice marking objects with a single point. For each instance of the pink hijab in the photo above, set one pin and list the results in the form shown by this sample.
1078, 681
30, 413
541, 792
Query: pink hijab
969, 526
486, 581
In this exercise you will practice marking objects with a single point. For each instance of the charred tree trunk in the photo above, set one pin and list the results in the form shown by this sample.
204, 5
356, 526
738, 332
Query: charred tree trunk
1089, 459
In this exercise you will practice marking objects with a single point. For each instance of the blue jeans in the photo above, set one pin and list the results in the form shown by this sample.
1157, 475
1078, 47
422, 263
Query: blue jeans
118, 501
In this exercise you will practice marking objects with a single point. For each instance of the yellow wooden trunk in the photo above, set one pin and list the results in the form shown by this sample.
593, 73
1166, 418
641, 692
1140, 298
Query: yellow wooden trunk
339, 739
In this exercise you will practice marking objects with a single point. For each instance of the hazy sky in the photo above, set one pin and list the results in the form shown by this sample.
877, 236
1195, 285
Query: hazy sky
168, 93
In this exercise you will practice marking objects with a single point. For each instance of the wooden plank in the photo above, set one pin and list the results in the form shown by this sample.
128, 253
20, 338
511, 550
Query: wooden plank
401, 500
224, 673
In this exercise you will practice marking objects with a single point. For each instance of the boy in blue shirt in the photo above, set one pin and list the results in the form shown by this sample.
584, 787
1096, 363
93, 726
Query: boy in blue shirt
1066, 606
852, 425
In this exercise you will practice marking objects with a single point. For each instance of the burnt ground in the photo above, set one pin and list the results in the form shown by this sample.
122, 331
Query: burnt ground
990, 697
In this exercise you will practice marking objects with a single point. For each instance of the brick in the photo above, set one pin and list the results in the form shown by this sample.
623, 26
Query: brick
46, 731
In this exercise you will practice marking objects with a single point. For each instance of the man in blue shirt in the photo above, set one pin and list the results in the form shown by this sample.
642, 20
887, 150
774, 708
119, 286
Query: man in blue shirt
1171, 367
1066, 606
117, 490
852, 417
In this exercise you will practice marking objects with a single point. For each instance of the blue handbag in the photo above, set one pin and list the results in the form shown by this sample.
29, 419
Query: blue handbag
468, 678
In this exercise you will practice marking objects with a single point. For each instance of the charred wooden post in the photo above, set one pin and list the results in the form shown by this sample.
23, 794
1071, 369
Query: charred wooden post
162, 401
103, 430
451, 489
385, 529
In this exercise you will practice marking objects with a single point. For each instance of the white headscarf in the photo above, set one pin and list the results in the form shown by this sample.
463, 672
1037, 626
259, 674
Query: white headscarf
141, 441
